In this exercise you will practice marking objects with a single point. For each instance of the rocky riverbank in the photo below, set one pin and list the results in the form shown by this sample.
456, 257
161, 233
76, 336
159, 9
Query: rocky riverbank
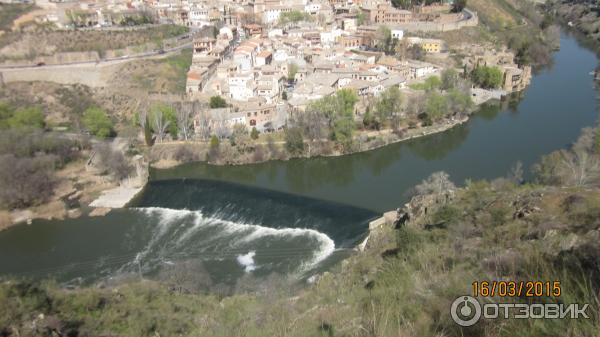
83, 187
584, 16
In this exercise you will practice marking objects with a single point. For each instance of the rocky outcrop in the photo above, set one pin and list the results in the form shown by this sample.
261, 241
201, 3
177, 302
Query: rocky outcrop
415, 211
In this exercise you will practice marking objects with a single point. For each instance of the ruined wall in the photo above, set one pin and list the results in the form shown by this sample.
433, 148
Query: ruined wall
470, 19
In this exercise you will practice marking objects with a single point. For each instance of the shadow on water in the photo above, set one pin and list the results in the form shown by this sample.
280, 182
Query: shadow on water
250, 205
549, 115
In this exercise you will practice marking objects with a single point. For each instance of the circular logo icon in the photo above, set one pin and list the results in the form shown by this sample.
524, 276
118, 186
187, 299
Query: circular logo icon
466, 311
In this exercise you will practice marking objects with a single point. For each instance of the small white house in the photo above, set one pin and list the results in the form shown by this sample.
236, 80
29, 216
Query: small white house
397, 34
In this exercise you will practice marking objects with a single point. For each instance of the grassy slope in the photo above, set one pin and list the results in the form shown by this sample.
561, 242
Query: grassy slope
164, 75
85, 40
412, 288
9, 12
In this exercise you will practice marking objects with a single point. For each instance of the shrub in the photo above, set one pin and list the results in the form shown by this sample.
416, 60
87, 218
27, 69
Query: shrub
446, 214
185, 153
97, 122
28, 142
214, 141
254, 133
31, 117
294, 142
259, 154
113, 162
25, 181
217, 102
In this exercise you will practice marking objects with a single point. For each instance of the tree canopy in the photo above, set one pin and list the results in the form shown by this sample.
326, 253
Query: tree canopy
217, 102
20, 118
97, 122
487, 77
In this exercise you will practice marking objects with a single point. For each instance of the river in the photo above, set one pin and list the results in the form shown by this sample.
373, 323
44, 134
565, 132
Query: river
299, 216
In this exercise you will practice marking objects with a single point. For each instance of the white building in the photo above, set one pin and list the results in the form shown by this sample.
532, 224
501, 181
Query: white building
397, 34
312, 8
198, 17
241, 86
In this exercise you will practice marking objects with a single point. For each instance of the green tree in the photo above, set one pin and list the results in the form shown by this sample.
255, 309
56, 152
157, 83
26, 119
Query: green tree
404, 4
459, 5
148, 132
97, 122
347, 99
436, 106
459, 102
360, 18
217, 102
388, 103
450, 79
294, 141
254, 133
432, 83
416, 52
369, 121
27, 117
169, 115
343, 129
383, 40
214, 142
336, 106
292, 71
487, 77
293, 17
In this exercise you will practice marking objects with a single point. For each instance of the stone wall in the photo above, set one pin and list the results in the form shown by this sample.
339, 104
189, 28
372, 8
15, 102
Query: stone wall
470, 19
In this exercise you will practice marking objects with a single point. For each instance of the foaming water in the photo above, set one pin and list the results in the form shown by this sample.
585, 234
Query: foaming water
186, 234
230, 230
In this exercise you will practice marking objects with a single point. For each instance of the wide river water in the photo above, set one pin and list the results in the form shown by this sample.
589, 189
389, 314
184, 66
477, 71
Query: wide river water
298, 216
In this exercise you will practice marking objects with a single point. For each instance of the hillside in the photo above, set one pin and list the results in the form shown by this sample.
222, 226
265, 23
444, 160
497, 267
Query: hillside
402, 285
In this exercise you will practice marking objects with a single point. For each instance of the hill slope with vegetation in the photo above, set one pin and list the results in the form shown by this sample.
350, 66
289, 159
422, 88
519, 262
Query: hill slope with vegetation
402, 285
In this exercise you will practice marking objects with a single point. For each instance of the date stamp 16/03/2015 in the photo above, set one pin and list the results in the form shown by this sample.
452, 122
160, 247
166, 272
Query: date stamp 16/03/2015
516, 289
515, 300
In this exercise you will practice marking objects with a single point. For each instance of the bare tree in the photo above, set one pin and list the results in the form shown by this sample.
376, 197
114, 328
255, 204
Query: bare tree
437, 183
240, 137
160, 124
202, 128
579, 168
314, 125
186, 276
184, 120
112, 161
516, 173
221, 127
586, 140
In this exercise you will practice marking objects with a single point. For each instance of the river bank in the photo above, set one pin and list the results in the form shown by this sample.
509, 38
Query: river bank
582, 17
77, 187
85, 187
365, 140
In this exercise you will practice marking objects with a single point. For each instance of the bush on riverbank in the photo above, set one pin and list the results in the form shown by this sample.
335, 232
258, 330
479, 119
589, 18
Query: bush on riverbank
29, 159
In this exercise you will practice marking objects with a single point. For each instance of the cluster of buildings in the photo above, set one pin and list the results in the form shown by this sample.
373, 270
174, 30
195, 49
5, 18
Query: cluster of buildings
269, 70
271, 58
514, 77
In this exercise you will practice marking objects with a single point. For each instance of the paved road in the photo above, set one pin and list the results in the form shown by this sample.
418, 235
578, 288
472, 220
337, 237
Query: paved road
116, 60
